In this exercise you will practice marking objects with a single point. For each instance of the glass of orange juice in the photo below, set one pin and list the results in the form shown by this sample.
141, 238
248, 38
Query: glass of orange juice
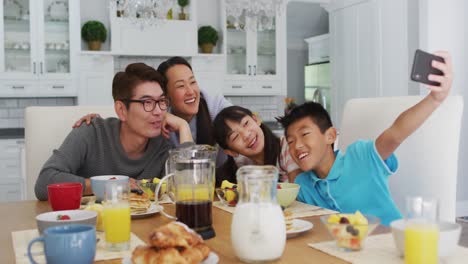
421, 231
117, 216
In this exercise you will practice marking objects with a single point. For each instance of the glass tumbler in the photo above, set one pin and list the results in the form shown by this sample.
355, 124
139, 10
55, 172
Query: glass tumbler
117, 216
421, 231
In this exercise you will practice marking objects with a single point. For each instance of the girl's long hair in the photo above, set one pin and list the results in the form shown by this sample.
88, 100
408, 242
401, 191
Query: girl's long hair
271, 150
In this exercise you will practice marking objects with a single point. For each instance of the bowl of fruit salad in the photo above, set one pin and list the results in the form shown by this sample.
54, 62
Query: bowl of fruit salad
149, 187
228, 193
286, 193
350, 230
66, 217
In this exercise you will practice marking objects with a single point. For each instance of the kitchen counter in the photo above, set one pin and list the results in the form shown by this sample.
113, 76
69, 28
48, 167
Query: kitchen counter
11, 133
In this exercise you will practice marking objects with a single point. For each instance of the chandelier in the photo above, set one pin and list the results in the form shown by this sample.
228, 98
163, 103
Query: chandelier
144, 13
262, 13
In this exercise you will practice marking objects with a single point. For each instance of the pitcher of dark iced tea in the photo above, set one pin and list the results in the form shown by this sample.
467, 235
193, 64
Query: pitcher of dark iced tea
193, 184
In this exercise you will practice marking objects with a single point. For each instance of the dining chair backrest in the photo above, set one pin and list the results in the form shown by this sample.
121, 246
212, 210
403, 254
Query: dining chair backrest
45, 130
428, 159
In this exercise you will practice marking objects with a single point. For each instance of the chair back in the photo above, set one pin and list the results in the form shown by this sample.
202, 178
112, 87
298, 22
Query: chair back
45, 130
428, 159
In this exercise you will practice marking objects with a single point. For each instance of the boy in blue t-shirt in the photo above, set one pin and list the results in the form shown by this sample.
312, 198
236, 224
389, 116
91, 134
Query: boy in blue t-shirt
357, 179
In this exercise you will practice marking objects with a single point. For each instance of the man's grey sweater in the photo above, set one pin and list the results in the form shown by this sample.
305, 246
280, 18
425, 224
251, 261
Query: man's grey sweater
96, 149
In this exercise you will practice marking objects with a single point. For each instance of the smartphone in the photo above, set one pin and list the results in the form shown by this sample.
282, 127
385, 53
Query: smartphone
422, 67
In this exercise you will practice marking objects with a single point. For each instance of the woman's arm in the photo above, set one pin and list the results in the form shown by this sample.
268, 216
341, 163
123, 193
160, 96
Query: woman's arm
87, 118
172, 123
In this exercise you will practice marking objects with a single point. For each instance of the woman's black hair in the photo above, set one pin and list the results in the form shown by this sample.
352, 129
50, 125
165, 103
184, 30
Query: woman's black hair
204, 124
272, 147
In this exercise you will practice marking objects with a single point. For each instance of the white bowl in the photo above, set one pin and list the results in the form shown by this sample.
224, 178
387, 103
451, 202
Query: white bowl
98, 184
449, 235
49, 219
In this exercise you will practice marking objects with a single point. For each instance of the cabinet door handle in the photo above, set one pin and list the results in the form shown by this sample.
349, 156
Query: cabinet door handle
255, 70
250, 70
17, 87
41, 68
267, 86
34, 67
58, 87
236, 86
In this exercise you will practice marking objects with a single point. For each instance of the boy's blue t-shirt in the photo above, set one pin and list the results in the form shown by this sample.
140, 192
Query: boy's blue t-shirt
358, 180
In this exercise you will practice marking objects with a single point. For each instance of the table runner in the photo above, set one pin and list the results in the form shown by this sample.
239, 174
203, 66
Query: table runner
381, 249
297, 208
21, 240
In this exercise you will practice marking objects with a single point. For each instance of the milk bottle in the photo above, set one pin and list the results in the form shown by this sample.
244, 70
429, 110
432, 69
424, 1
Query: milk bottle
258, 230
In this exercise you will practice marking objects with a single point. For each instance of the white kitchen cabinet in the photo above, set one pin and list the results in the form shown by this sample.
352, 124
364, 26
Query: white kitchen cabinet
255, 58
170, 38
355, 53
208, 72
319, 48
37, 54
11, 179
96, 75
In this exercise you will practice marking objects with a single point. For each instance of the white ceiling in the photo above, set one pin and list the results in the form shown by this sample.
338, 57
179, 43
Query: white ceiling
304, 20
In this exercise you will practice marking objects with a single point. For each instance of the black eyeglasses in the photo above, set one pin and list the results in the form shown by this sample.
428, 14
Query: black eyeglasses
150, 104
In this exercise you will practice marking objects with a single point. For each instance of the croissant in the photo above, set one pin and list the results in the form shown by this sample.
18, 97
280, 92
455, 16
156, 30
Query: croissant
173, 235
195, 254
149, 255
172, 243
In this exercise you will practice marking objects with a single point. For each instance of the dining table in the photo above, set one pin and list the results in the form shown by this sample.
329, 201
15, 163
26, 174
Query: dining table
21, 215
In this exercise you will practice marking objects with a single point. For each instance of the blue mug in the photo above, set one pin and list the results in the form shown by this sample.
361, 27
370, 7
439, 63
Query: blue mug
67, 244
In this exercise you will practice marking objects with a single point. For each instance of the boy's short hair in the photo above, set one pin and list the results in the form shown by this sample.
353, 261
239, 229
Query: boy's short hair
136, 73
314, 111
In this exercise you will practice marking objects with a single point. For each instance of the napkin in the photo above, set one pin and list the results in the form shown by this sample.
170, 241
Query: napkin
21, 240
297, 208
380, 249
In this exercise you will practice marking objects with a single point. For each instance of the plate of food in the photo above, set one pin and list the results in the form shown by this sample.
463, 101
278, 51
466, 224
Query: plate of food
295, 227
299, 227
211, 259
140, 205
173, 243
153, 209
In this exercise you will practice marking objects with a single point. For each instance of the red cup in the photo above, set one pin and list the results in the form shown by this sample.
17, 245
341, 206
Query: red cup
65, 196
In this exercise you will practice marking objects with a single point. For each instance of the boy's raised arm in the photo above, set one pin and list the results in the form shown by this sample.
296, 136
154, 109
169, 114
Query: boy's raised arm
411, 119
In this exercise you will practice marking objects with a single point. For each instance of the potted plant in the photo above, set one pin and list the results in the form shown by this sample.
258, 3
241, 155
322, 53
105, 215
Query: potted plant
182, 4
207, 38
94, 32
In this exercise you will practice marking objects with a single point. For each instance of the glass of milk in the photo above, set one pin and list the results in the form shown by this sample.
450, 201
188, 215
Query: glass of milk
258, 230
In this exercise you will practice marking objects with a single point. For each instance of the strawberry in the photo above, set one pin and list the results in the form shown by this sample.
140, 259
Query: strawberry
278, 186
63, 217
113, 178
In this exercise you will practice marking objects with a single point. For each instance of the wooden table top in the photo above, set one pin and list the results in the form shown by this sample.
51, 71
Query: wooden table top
21, 215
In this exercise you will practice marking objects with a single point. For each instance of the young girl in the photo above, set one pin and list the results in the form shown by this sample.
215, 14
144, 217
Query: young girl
249, 142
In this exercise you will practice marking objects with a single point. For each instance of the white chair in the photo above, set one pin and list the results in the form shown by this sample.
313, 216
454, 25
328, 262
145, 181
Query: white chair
428, 158
45, 130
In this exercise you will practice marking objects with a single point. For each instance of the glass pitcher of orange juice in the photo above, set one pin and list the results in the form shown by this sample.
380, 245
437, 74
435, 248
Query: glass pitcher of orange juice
116, 216
191, 152
421, 231
192, 192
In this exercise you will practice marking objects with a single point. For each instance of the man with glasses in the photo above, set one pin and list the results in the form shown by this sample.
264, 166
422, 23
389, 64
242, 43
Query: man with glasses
129, 145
